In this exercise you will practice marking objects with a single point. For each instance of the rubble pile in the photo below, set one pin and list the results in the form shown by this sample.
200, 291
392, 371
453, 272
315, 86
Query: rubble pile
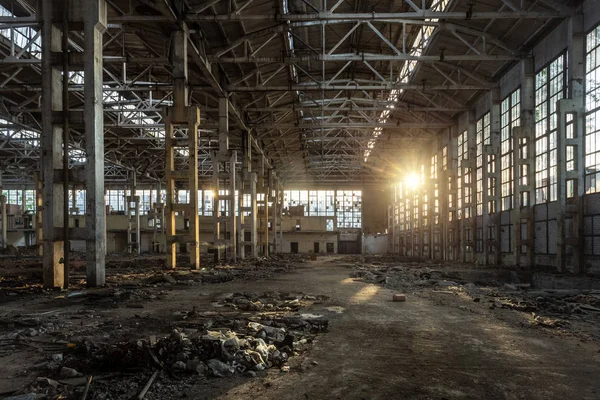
271, 301
250, 333
258, 268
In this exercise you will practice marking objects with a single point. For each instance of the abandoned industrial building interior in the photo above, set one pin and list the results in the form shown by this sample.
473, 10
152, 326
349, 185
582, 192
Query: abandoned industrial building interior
299, 199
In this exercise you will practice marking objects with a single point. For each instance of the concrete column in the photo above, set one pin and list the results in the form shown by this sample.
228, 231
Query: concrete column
491, 184
232, 245
469, 220
158, 211
570, 170
223, 125
240, 228
278, 203
281, 194
267, 192
253, 224
39, 205
133, 215
245, 221
170, 227
216, 208
3, 228
23, 200
450, 227
94, 26
193, 120
524, 174
52, 144
181, 114
224, 178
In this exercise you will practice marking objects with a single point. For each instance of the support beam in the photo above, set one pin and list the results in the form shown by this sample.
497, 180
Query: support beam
95, 223
186, 118
523, 156
326, 17
328, 87
3, 227
570, 156
491, 185
52, 145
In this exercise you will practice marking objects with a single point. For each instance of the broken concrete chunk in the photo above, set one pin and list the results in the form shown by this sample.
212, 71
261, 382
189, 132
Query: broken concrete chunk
169, 279
196, 366
67, 372
219, 368
399, 297
179, 366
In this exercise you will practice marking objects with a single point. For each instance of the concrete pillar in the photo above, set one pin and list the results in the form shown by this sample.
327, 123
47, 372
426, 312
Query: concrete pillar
3, 228
39, 206
491, 184
232, 223
95, 24
216, 208
524, 173
253, 223
181, 114
158, 215
450, 201
52, 144
223, 126
469, 220
247, 215
570, 167
267, 192
132, 206
224, 179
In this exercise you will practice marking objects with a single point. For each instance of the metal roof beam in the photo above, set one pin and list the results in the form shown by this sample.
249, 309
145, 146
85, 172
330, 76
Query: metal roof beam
327, 87
378, 17
354, 108
350, 125
365, 57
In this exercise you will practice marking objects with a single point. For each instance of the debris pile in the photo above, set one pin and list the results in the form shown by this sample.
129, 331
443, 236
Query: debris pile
269, 301
250, 333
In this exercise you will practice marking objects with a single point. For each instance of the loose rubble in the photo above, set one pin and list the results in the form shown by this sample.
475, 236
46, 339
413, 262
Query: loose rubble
251, 333
551, 308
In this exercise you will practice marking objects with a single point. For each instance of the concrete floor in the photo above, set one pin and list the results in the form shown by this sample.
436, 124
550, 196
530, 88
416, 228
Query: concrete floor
378, 349
433, 346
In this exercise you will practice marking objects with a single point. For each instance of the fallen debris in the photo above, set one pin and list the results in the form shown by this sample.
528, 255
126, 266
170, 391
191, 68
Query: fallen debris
147, 386
479, 285
399, 297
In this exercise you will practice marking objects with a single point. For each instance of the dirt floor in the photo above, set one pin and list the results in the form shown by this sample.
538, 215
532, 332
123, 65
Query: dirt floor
439, 344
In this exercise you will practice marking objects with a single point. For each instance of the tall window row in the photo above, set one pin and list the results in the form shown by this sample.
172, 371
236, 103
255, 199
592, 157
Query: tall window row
592, 120
349, 208
315, 202
463, 183
15, 196
550, 86
510, 111
482, 139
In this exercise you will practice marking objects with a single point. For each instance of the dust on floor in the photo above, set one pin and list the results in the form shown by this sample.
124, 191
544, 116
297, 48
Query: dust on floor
439, 344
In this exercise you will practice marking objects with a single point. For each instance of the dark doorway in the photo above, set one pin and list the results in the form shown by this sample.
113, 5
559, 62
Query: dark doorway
294, 247
348, 247
330, 248
316, 248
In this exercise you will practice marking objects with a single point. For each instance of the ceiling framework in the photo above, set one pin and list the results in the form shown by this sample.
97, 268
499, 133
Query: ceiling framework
332, 92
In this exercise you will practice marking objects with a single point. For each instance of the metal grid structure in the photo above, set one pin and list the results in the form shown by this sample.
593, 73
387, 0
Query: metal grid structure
331, 92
